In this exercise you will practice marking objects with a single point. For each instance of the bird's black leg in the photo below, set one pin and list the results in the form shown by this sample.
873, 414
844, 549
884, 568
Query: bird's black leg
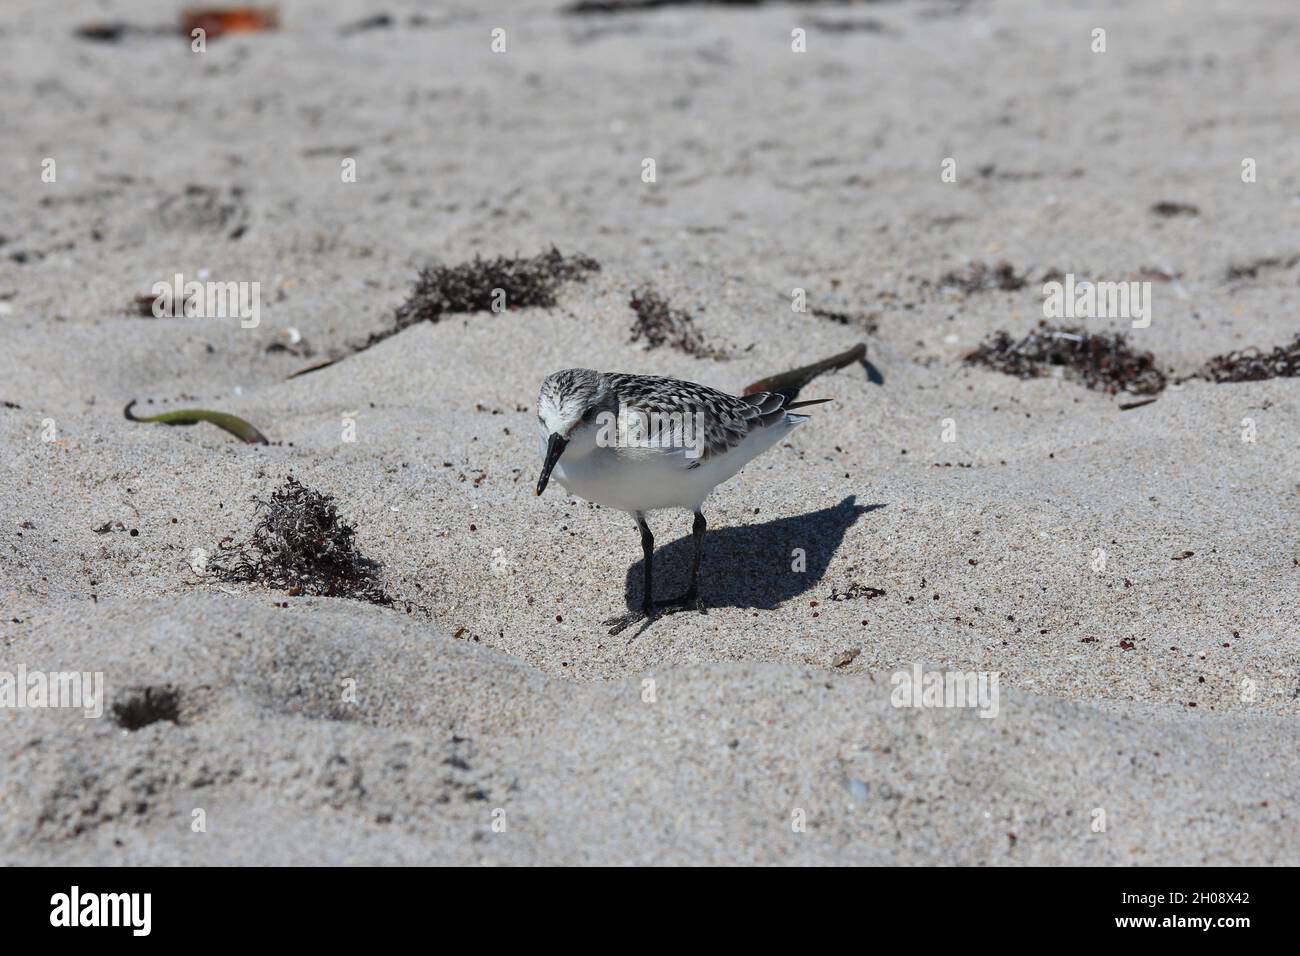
691, 599
647, 601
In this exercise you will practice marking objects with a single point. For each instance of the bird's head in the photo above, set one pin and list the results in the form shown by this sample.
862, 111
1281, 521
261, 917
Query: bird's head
567, 409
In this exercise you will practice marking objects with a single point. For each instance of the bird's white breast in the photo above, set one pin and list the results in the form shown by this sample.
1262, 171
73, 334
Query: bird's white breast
643, 479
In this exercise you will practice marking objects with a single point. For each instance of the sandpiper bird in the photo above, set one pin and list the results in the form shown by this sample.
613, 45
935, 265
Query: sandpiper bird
643, 442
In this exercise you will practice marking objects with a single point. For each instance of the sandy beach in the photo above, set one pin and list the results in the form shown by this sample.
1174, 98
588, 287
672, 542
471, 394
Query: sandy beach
1128, 571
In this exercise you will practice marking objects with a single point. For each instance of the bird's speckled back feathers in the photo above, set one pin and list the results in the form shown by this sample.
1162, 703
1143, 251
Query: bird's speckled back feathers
727, 418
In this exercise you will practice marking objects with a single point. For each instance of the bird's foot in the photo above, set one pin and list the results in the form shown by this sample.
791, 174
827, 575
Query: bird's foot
687, 602
625, 621
690, 601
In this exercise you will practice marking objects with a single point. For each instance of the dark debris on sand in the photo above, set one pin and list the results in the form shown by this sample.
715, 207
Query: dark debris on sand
855, 590
1168, 209
302, 546
1252, 365
1252, 269
981, 277
1104, 363
867, 322
658, 323
472, 287
636, 6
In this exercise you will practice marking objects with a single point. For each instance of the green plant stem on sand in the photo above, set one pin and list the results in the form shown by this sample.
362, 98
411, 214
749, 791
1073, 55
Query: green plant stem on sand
790, 383
192, 416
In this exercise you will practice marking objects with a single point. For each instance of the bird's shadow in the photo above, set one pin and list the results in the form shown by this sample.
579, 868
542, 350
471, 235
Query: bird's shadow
874, 375
752, 565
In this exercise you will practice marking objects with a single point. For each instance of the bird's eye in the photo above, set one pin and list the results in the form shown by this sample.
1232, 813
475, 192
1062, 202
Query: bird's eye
589, 415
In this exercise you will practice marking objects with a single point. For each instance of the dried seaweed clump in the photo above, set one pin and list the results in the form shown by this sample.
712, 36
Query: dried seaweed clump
1105, 363
981, 277
472, 286
302, 546
660, 324
147, 705
1252, 365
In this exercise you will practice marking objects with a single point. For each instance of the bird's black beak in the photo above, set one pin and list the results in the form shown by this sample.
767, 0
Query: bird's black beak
554, 449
